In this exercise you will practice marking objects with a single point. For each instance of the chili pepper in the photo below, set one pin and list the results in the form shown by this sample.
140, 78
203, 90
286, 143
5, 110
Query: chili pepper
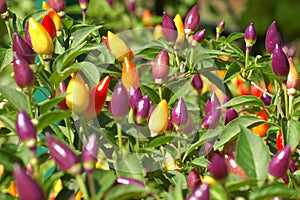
202, 192
141, 110
147, 18
12, 190
157, 32
131, 6
63, 156
110, 2
104, 39
128, 181
134, 96
197, 82
62, 104
3, 7
169, 128
193, 179
159, 118
78, 94
97, 98
59, 6
266, 99
234, 168
272, 38
188, 127
212, 112
292, 82
84, 4
220, 27
289, 50
119, 104
180, 30
54, 16
209, 180
230, 115
217, 166
40, 39
24, 75
26, 186
26, 130
118, 47
27, 35
89, 153
280, 162
261, 129
130, 76
169, 28
250, 36
192, 20
179, 113
198, 38
280, 63
161, 67
279, 141
23, 49
48, 24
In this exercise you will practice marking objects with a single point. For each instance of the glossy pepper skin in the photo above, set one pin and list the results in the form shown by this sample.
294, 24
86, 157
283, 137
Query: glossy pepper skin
280, 63
97, 98
54, 16
40, 39
192, 20
59, 6
141, 110
180, 113
280, 162
272, 37
261, 129
180, 30
26, 186
63, 156
119, 104
169, 28
250, 36
157, 32
279, 141
130, 76
201, 192
78, 94
23, 49
135, 95
230, 115
89, 153
293, 80
234, 168
159, 118
26, 130
48, 24
24, 75
220, 27
266, 99
3, 7
129, 181
217, 166
193, 179
84, 4
199, 37
197, 82
62, 104
161, 67
212, 112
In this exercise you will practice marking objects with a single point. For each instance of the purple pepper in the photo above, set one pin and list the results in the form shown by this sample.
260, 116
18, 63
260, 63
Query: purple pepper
272, 37
197, 82
192, 20
200, 193
27, 35
141, 110
26, 130
212, 112
289, 50
23, 49
89, 153
199, 37
62, 105
230, 115
250, 36
169, 28
266, 99
217, 166
63, 156
131, 6
129, 181
280, 162
193, 179
84, 4
26, 186
161, 67
119, 104
280, 63
169, 128
135, 95
3, 7
59, 6
180, 113
110, 2
220, 27
24, 75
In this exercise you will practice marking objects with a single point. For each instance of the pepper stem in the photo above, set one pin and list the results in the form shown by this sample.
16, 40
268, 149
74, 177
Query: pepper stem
82, 186
91, 184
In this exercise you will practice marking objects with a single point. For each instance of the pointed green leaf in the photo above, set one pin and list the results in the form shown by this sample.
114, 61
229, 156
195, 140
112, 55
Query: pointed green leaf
81, 34
16, 98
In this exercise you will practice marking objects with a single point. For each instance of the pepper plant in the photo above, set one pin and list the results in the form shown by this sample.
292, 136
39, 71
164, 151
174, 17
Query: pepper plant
170, 112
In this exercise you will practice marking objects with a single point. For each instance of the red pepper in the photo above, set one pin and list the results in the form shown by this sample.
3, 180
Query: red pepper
261, 129
97, 98
279, 141
49, 25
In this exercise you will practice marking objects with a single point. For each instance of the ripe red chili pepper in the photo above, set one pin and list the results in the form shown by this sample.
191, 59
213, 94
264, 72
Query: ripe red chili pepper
49, 25
97, 98
261, 129
279, 141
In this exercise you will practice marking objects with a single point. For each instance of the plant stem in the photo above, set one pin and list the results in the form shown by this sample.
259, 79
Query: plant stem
83, 17
82, 186
119, 131
91, 184
247, 57
8, 30
29, 101
160, 92
286, 103
291, 99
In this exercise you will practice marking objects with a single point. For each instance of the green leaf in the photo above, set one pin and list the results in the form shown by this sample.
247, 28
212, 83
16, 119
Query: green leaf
8, 159
8, 122
160, 140
51, 117
234, 36
217, 192
232, 71
200, 162
236, 50
179, 180
91, 73
6, 57
153, 96
37, 15
58, 77
105, 179
274, 190
232, 129
240, 185
252, 155
245, 100
17, 99
49, 104
126, 192
214, 79
290, 130
81, 34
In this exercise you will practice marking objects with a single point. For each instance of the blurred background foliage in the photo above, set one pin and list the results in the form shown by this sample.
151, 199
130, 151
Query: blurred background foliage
237, 14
